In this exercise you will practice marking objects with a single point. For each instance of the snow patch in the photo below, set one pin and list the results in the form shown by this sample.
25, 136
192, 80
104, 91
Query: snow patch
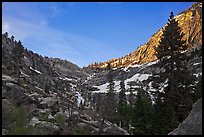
139, 77
34, 94
38, 88
80, 99
24, 57
141, 65
196, 64
136, 77
35, 70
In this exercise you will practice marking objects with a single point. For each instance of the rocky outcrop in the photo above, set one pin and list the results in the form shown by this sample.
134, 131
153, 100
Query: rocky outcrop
192, 125
190, 22
47, 98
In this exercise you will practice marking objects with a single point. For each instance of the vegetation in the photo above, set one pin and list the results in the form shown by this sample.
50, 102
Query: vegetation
175, 103
172, 105
132, 108
16, 120
17, 56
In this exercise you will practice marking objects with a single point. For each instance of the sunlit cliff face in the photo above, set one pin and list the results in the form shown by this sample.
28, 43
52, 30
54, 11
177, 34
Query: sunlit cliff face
190, 22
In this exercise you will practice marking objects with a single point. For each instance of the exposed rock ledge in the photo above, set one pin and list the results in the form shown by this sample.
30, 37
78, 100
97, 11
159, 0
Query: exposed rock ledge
192, 125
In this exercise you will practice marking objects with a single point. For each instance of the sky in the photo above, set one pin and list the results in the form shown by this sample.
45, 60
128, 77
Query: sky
86, 32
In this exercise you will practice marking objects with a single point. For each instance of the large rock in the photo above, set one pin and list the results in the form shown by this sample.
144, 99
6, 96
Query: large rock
14, 92
50, 101
6, 78
192, 125
4, 131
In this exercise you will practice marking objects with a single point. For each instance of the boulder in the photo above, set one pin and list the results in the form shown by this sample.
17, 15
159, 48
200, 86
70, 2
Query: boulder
34, 121
14, 92
6, 78
4, 131
50, 101
192, 125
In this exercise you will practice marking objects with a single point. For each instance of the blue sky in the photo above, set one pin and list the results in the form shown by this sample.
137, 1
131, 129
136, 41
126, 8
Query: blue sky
86, 32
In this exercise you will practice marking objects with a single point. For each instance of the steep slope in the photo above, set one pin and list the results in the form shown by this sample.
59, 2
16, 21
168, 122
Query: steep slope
47, 98
190, 22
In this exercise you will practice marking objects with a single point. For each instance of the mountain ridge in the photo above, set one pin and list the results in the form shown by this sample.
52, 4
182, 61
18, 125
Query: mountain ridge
190, 21
62, 98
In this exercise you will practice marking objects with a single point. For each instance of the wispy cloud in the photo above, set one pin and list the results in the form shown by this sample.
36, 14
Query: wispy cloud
51, 42
37, 33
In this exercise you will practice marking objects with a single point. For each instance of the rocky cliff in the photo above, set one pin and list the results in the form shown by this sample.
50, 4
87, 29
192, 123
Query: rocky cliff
190, 22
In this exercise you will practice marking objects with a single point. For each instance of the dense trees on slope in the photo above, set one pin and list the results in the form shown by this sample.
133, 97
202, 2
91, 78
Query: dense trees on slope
142, 113
176, 93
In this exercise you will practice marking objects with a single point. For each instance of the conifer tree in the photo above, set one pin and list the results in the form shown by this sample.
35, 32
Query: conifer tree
164, 117
17, 55
122, 103
131, 97
110, 98
12, 38
174, 72
142, 113
122, 98
6, 34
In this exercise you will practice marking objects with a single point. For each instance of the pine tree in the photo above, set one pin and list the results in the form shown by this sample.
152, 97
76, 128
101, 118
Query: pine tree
142, 113
131, 97
164, 117
174, 70
18, 51
122, 103
12, 38
110, 98
6, 34
122, 98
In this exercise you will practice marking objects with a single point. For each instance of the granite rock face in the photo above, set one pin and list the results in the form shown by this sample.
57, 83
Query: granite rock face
192, 125
190, 22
